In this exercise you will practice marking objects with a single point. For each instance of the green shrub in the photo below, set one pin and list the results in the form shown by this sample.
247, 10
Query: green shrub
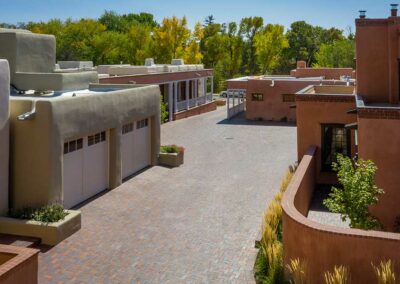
48, 214
170, 149
358, 193
164, 112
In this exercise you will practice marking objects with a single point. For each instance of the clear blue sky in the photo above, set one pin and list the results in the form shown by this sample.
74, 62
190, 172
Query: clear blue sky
326, 13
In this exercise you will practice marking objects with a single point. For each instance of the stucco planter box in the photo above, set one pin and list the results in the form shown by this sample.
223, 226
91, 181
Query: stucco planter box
50, 233
171, 159
18, 265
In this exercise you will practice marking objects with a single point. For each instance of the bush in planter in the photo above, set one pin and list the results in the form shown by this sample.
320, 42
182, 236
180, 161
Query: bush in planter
47, 214
170, 149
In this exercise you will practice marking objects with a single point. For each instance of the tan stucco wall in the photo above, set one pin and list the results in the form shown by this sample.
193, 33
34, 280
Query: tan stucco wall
324, 246
327, 73
32, 59
377, 65
378, 141
4, 134
37, 148
310, 116
28, 52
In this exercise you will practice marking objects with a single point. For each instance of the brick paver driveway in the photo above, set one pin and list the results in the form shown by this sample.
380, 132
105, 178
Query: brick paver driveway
192, 224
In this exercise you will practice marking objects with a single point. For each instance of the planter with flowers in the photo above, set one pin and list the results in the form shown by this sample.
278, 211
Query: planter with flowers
171, 156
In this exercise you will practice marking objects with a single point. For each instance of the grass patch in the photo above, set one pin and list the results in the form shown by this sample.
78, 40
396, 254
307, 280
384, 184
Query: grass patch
47, 214
268, 268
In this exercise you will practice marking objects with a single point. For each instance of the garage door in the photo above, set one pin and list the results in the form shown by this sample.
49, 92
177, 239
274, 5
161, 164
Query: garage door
136, 148
85, 170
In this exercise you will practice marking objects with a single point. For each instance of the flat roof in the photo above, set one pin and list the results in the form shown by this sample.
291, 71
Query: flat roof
95, 90
276, 78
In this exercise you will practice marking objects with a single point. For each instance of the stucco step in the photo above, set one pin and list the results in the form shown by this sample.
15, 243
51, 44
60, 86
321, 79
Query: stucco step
19, 241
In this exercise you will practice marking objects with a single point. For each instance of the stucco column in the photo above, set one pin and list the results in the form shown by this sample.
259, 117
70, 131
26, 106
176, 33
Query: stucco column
4, 134
115, 168
212, 86
170, 108
187, 93
155, 139
196, 90
176, 97
205, 87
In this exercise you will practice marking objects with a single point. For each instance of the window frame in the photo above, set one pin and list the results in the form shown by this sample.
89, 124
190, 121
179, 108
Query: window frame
255, 97
325, 167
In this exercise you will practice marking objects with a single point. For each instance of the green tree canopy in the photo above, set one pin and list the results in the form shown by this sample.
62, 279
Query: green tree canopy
340, 53
269, 44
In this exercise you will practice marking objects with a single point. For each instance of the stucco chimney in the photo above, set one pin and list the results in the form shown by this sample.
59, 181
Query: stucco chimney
301, 64
362, 14
394, 9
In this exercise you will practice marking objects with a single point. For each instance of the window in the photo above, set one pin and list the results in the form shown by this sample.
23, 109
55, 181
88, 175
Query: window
127, 128
96, 138
335, 140
73, 145
258, 97
288, 98
142, 123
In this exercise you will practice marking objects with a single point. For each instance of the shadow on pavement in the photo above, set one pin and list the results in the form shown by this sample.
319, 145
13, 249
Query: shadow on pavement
241, 120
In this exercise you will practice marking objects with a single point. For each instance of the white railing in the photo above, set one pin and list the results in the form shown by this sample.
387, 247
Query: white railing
182, 105
235, 101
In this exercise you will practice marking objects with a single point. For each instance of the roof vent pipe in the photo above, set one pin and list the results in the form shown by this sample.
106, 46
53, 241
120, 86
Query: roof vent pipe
362, 14
149, 62
394, 9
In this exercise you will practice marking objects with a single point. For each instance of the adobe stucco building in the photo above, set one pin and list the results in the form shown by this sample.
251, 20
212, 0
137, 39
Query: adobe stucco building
352, 121
72, 138
272, 97
187, 89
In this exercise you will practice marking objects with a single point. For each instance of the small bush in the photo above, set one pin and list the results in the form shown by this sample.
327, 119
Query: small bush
385, 272
297, 271
171, 149
340, 275
163, 111
48, 214
358, 193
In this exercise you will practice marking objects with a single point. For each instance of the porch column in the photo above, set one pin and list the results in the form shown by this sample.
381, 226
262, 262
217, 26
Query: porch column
205, 89
176, 97
196, 89
187, 93
212, 87
170, 106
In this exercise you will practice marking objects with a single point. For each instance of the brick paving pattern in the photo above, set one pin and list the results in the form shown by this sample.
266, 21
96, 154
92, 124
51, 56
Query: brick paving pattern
192, 224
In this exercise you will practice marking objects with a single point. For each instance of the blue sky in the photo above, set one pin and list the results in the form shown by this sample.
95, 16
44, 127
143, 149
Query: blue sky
326, 13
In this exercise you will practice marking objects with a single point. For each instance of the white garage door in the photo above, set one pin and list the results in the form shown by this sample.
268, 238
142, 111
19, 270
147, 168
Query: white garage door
85, 168
136, 148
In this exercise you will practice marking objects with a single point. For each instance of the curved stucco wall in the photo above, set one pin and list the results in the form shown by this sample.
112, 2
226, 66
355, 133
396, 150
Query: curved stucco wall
322, 246
4, 134
38, 143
